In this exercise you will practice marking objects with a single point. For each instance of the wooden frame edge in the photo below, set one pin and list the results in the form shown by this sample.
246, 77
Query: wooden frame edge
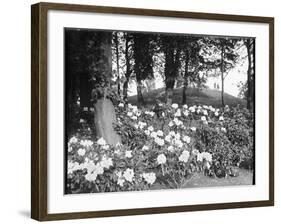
39, 110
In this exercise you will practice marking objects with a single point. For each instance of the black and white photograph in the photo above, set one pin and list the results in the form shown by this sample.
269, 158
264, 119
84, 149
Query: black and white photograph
157, 111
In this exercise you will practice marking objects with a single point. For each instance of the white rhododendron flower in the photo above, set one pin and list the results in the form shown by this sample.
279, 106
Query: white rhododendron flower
212, 108
147, 132
159, 141
185, 106
203, 118
101, 141
178, 143
73, 166
73, 140
186, 139
223, 129
204, 155
171, 148
160, 133
168, 138
172, 133
184, 156
130, 114
149, 177
144, 148
216, 114
178, 113
207, 156
199, 157
193, 128
81, 152
206, 107
70, 149
105, 147
93, 171
129, 174
177, 121
91, 177
205, 112
134, 117
150, 128
106, 163
86, 143
121, 104
138, 113
221, 118
121, 181
141, 124
185, 113
161, 159
153, 134
175, 105
192, 109
151, 113
171, 124
128, 154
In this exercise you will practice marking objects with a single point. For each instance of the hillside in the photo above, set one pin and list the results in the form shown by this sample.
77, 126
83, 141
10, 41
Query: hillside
194, 97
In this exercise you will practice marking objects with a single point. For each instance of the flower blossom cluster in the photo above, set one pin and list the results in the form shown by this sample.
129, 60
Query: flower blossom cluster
127, 175
184, 156
161, 159
149, 177
204, 155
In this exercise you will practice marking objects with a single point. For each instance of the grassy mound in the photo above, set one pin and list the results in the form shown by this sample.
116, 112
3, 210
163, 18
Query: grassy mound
194, 97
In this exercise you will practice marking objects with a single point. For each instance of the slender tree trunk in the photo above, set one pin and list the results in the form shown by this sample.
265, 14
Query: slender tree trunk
139, 92
184, 92
250, 80
185, 83
128, 70
125, 89
222, 75
222, 90
104, 110
117, 61
171, 67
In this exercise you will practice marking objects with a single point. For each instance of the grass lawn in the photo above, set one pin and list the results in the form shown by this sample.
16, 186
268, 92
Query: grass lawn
200, 180
194, 97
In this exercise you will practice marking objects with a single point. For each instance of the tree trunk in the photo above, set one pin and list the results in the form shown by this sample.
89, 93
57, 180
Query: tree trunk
104, 110
250, 78
128, 70
139, 92
185, 83
117, 62
169, 95
170, 73
125, 90
222, 75
104, 118
222, 90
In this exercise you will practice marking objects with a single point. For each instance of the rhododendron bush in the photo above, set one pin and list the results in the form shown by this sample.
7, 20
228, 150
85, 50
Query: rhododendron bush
161, 147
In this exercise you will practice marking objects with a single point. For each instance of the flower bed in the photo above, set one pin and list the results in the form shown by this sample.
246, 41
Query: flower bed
164, 145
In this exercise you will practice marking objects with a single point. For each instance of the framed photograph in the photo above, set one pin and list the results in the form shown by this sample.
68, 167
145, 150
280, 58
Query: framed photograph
139, 111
